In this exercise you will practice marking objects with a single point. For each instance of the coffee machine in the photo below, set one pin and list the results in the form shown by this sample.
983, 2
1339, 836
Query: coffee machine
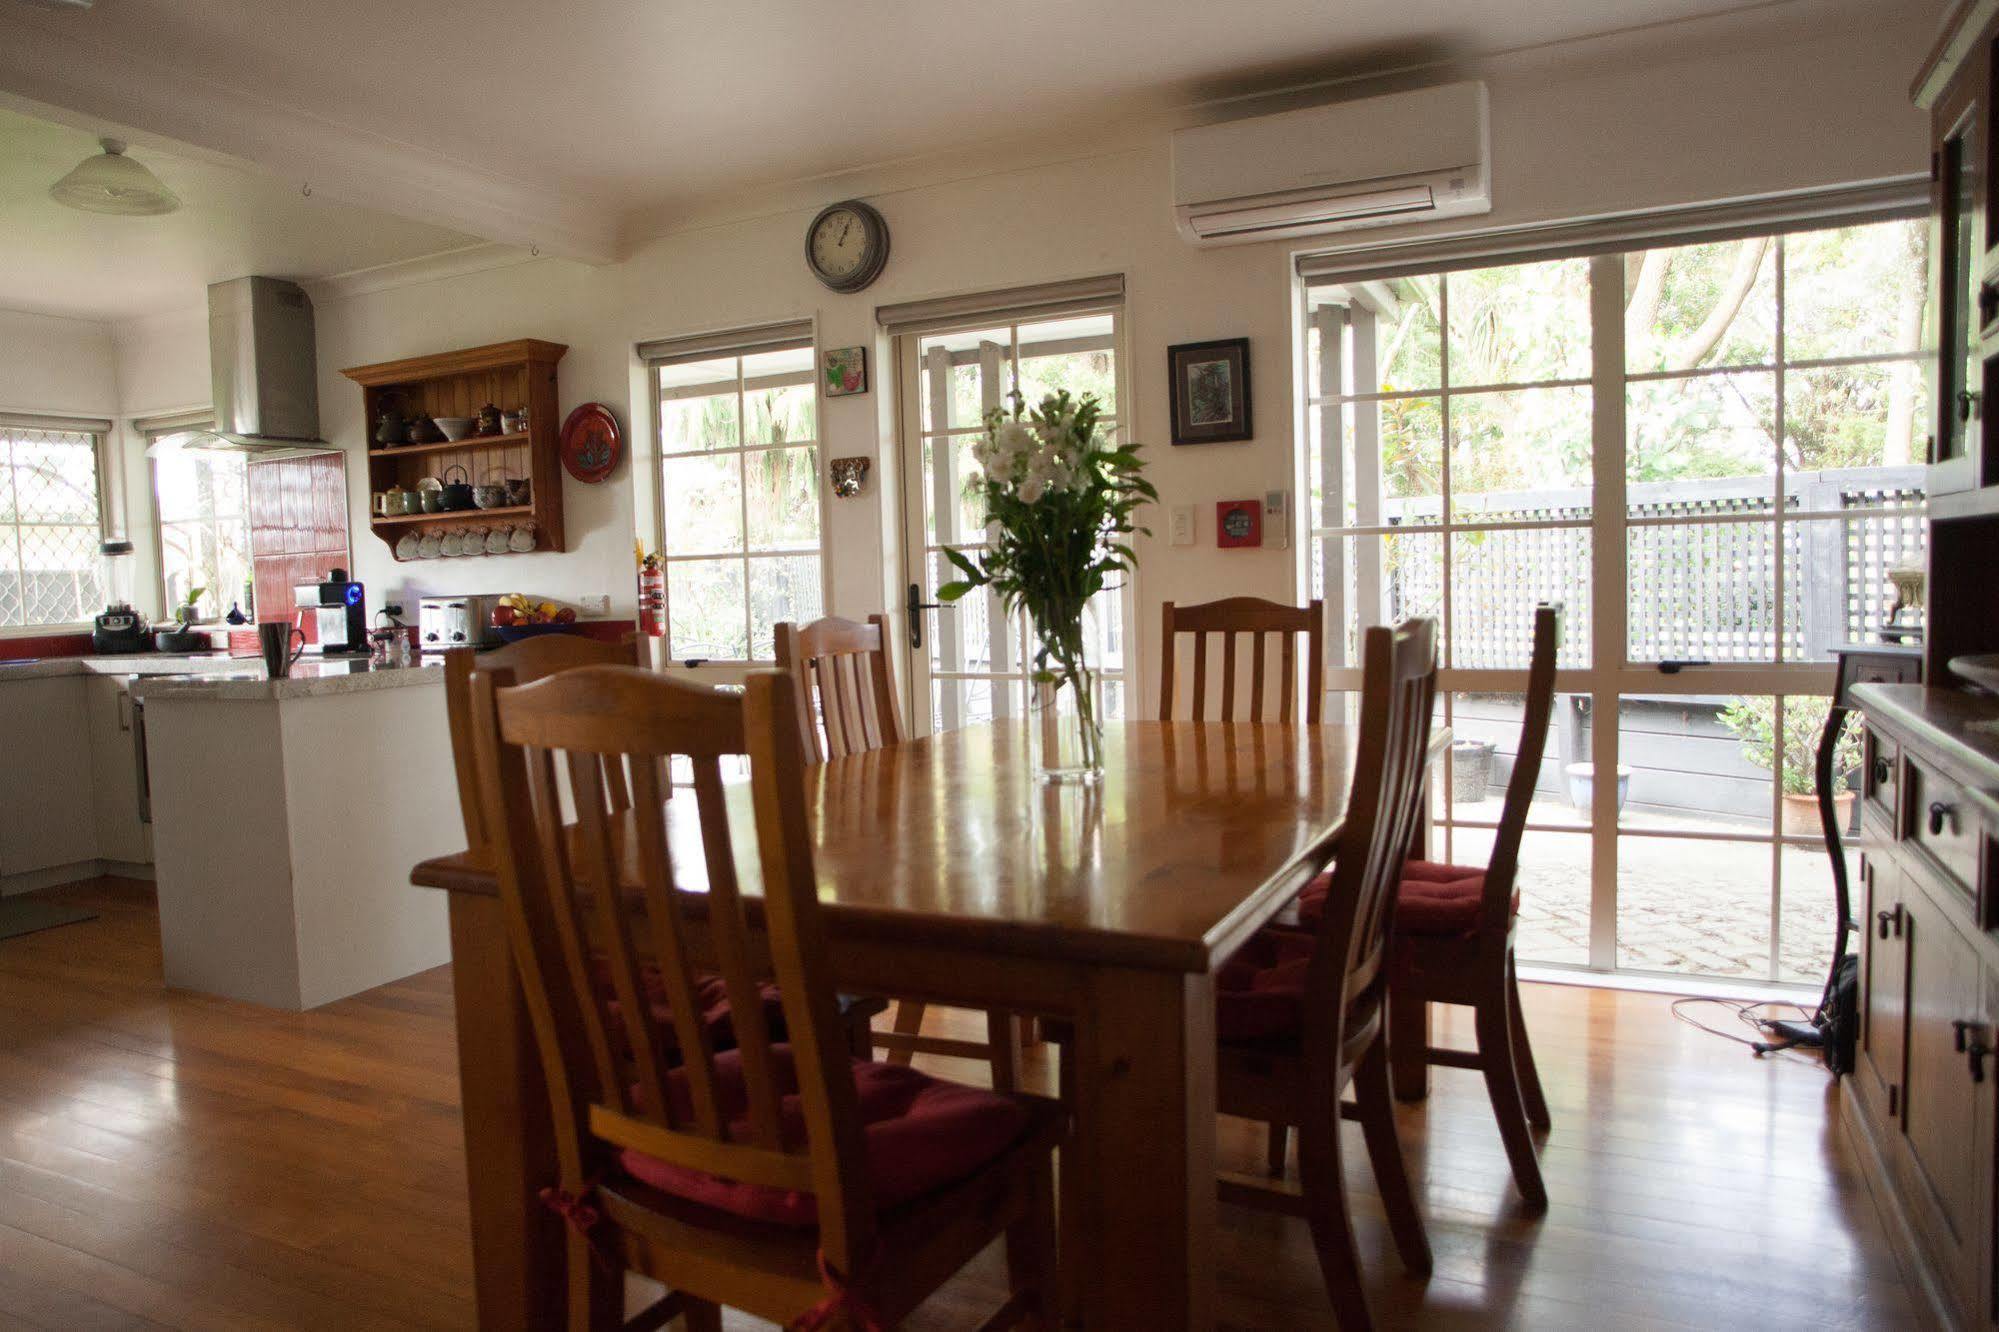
339, 608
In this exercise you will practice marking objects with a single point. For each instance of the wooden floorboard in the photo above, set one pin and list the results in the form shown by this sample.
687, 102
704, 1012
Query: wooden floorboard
169, 1160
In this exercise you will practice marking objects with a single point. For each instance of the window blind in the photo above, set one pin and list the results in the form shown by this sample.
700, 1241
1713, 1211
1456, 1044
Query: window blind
1010, 304
82, 425
727, 342
1901, 196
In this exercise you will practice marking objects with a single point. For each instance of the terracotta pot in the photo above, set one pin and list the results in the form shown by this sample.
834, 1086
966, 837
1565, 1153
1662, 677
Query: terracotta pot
1801, 814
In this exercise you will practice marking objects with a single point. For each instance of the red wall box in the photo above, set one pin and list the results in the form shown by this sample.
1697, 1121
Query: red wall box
1239, 523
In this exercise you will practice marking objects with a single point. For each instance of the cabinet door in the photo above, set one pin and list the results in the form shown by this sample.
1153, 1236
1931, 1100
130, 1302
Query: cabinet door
114, 766
47, 805
1942, 1093
1883, 987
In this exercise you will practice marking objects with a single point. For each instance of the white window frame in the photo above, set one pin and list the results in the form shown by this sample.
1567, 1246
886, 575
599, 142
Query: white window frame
1611, 676
921, 495
100, 431
734, 346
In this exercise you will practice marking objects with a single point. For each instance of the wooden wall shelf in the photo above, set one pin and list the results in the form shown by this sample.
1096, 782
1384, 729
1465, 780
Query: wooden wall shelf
509, 375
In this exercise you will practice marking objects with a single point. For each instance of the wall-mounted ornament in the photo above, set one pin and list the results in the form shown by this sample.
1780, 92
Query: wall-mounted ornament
590, 443
846, 371
850, 476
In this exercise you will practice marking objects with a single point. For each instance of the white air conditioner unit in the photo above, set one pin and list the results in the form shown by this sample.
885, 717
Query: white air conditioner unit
1405, 157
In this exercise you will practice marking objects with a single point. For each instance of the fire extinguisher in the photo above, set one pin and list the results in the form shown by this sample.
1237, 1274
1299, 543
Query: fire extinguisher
652, 593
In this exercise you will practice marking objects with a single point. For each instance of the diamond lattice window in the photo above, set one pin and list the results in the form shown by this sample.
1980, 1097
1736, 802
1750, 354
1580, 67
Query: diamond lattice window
48, 527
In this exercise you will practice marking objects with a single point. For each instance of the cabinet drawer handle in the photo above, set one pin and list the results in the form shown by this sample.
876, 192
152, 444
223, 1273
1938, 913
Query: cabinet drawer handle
1881, 770
1887, 920
1967, 404
1940, 814
1960, 1031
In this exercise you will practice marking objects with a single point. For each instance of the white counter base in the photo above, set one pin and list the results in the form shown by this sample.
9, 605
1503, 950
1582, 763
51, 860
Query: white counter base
283, 833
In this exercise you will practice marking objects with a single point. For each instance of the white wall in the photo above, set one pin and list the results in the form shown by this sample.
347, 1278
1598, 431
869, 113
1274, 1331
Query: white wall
62, 367
1798, 96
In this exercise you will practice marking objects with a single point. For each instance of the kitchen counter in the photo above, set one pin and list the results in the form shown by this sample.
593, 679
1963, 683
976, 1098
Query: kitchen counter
286, 815
133, 663
243, 680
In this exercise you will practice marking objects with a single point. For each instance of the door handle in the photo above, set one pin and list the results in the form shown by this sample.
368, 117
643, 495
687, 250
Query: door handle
1969, 1038
1887, 920
916, 605
1940, 814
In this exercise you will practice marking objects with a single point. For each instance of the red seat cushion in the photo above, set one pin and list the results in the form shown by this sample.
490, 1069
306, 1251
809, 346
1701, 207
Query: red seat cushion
1434, 899
711, 996
920, 1135
1260, 992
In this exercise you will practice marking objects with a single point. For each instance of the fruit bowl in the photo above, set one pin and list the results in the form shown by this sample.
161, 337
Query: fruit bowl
514, 633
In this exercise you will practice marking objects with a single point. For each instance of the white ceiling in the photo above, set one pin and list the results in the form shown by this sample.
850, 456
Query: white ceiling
640, 106
232, 222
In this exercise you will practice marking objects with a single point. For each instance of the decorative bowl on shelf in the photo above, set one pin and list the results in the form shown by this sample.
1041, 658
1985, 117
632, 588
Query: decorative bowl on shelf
514, 633
456, 427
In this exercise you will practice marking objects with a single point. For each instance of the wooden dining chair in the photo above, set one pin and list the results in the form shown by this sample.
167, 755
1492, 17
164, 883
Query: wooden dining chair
534, 659
1454, 945
1237, 618
846, 703
786, 1179
529, 660
1301, 1015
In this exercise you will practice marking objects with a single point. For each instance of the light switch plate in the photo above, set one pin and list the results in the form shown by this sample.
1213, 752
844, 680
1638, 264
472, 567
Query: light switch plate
1277, 519
597, 605
1183, 525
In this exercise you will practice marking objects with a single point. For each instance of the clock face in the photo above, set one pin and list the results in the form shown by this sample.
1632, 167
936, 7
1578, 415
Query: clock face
846, 245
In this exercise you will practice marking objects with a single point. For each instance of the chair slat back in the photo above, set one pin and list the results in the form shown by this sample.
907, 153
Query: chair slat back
846, 685
529, 660
604, 894
1348, 975
1236, 619
1496, 908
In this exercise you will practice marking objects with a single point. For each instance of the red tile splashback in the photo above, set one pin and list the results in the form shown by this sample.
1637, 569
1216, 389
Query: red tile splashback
44, 645
298, 528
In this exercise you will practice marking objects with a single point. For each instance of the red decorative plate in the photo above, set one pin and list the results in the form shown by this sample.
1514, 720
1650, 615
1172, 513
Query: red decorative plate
591, 443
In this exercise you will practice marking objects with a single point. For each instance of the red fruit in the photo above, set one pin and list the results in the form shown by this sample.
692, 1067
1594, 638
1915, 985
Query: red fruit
567, 615
503, 615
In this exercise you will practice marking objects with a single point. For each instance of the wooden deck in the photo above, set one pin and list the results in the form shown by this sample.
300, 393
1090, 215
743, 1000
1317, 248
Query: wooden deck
173, 1161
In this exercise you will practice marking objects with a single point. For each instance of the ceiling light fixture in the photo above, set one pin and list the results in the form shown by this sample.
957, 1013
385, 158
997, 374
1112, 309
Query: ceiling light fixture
113, 183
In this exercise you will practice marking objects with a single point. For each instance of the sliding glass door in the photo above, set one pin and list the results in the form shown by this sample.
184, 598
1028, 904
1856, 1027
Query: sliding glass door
1709, 456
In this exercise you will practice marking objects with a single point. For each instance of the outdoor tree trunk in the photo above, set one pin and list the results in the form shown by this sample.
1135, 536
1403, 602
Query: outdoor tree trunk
1695, 348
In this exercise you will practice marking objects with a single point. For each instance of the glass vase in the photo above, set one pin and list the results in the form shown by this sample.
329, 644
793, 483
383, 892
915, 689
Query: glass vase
1064, 721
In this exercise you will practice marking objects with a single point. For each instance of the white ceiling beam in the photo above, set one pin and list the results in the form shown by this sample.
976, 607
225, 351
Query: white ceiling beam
88, 84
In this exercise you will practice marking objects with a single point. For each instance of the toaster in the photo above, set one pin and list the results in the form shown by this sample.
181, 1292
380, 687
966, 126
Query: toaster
448, 622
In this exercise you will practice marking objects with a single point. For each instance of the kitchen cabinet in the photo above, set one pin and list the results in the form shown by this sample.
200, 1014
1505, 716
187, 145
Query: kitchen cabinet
1884, 984
122, 834
47, 799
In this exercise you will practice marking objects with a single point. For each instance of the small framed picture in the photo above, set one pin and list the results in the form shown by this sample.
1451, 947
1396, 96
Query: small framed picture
846, 370
1210, 391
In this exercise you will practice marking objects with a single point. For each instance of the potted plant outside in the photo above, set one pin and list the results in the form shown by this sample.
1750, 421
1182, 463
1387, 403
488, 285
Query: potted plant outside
1793, 756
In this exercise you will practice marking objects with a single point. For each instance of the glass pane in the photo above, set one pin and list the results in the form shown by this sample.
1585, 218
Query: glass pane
1702, 445
705, 611
791, 361
1384, 580
1405, 483
1073, 354
964, 375
1485, 738
1701, 305
704, 505
55, 477
783, 495
1521, 455
1691, 763
1701, 592
961, 637
1554, 879
1498, 578
784, 588
1521, 323
1407, 337
1856, 416
695, 425
1855, 291
56, 578
784, 415
1805, 918
1693, 907
1836, 584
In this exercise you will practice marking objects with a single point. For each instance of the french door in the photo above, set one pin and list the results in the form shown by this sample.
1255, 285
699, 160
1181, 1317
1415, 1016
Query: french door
969, 662
1709, 456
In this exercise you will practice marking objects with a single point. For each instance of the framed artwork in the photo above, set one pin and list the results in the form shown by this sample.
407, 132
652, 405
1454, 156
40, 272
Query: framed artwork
846, 371
1210, 391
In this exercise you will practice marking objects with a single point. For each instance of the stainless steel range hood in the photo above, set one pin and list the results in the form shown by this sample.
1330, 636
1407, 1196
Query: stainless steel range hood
263, 369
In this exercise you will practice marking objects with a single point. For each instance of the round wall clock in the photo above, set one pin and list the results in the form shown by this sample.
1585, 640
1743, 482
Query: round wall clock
846, 245
589, 443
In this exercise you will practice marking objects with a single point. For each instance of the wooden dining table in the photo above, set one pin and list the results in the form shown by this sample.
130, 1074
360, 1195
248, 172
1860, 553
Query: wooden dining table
948, 874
